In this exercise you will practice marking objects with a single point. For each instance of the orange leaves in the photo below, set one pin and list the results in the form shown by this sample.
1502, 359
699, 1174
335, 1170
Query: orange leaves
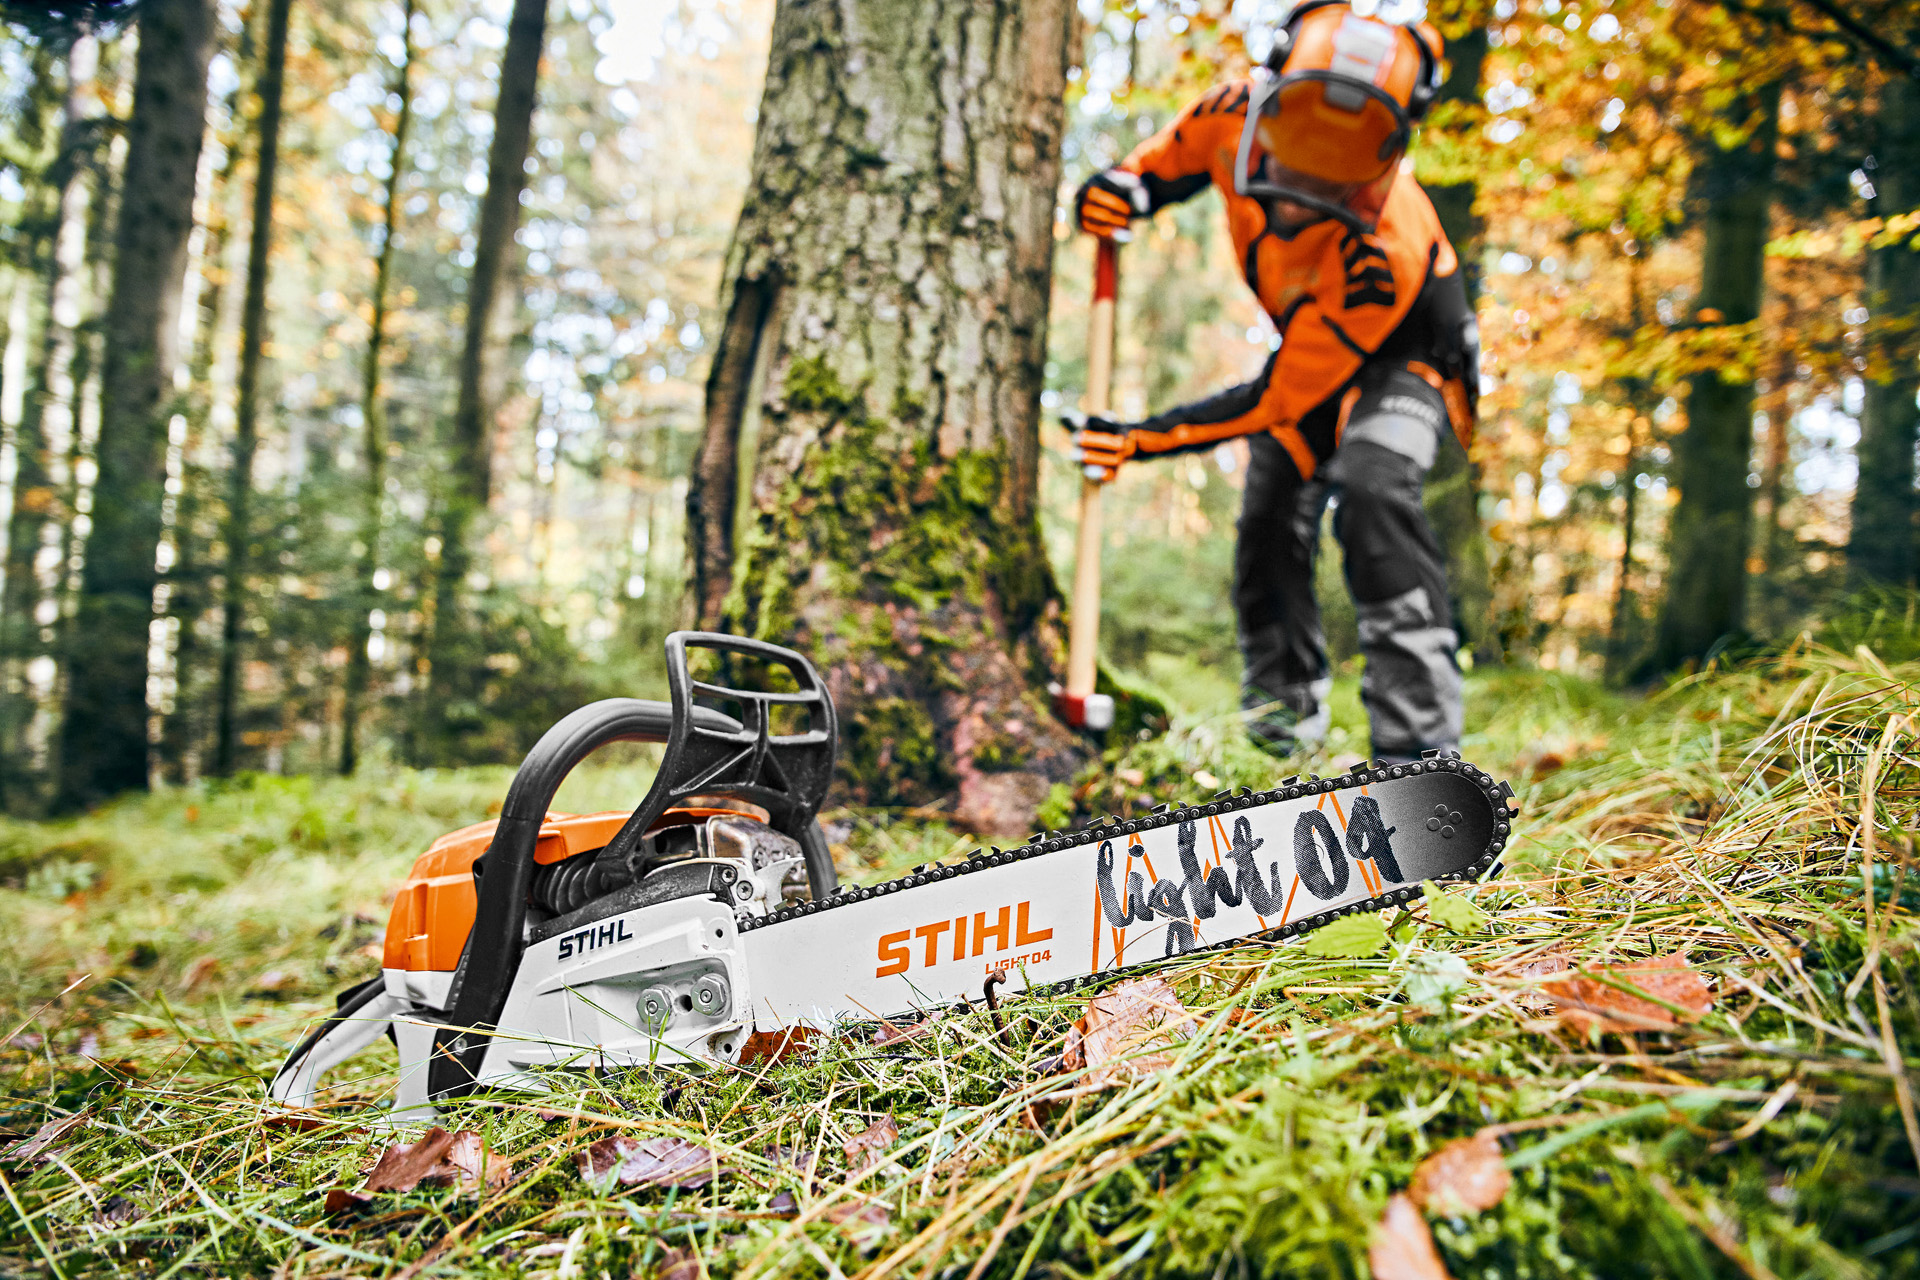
1594, 1000
867, 1149
1465, 1176
1402, 1247
1122, 1027
775, 1047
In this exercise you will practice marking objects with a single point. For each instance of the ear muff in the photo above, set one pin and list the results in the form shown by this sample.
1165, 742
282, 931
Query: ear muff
1283, 38
1427, 87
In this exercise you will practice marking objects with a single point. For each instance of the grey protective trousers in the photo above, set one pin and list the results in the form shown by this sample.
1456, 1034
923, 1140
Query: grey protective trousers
1394, 568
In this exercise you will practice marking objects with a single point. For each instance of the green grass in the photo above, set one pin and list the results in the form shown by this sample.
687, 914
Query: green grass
161, 953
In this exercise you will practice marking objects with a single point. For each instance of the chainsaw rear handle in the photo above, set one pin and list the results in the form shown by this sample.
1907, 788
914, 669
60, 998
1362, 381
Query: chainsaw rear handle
692, 733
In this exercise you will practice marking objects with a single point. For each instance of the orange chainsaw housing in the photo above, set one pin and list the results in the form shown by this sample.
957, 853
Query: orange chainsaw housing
433, 912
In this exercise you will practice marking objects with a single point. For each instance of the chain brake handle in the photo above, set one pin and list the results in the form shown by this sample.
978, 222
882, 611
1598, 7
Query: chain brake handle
787, 774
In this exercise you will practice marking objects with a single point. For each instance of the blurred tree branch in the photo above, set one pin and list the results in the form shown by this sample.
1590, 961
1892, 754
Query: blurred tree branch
1898, 57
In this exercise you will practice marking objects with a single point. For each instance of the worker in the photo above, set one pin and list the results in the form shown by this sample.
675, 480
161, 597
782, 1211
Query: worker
1378, 361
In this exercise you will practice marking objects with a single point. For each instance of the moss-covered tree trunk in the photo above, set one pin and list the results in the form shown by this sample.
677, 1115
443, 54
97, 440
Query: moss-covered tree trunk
1710, 538
886, 304
1882, 548
103, 737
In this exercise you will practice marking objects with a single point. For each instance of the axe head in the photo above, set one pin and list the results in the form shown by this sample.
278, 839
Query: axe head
1090, 711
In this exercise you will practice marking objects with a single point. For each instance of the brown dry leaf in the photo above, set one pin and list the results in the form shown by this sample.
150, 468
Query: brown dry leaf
1465, 1176
783, 1203
403, 1165
38, 1146
473, 1165
894, 1033
678, 1264
865, 1150
1402, 1247
651, 1162
274, 982
199, 971
1588, 1002
342, 1201
865, 1223
1120, 1025
776, 1046
117, 1211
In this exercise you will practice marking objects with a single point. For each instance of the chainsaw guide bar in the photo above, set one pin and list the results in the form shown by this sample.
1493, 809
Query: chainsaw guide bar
619, 940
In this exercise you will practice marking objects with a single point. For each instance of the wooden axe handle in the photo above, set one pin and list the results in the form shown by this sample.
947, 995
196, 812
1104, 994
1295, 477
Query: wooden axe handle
1083, 634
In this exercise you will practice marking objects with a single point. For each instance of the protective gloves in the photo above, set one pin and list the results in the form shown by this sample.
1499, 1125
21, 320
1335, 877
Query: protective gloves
1100, 444
1107, 201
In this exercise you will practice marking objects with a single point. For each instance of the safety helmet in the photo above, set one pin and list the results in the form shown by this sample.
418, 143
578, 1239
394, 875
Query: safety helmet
1332, 112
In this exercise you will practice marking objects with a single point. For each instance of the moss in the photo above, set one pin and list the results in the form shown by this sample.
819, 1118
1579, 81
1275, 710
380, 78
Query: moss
889, 748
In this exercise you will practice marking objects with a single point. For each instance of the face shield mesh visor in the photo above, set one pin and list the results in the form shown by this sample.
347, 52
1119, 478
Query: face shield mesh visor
1323, 141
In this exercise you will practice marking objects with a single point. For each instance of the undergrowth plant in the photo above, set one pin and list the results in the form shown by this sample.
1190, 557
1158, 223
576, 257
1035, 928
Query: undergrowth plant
1757, 822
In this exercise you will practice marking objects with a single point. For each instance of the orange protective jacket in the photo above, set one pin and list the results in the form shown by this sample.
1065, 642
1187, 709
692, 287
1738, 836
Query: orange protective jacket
1338, 299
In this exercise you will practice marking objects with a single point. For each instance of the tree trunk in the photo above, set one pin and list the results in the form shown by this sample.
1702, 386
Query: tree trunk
453, 661
103, 743
893, 259
1710, 537
373, 416
246, 406
1453, 486
1882, 546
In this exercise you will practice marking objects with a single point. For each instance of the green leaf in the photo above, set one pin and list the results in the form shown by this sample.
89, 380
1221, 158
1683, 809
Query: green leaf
1455, 911
1349, 937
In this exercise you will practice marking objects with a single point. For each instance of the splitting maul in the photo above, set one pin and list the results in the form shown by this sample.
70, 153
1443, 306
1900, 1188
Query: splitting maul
712, 910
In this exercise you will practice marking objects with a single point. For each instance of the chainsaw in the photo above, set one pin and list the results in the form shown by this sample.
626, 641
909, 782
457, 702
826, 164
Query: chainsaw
711, 912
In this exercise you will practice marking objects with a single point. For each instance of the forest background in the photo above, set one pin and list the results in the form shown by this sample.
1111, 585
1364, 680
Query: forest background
429, 423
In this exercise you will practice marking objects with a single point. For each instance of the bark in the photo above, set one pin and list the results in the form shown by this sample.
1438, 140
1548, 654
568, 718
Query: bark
1711, 532
1620, 639
1882, 546
103, 744
453, 670
1453, 486
889, 275
246, 407
373, 414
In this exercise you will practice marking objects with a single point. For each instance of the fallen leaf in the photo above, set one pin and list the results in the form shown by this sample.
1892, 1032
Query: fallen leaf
1533, 972
865, 1223
199, 971
783, 1202
38, 1147
1467, 1175
439, 1159
474, 1166
342, 1201
776, 1046
894, 1032
1588, 1002
650, 1162
88, 1046
1402, 1247
1133, 777
1348, 938
1454, 911
865, 1150
1113, 1039
117, 1211
678, 1264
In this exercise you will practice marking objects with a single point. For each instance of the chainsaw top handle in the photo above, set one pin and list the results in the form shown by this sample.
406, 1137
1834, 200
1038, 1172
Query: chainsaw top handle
707, 752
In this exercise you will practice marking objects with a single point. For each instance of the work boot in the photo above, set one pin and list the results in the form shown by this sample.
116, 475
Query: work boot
1289, 719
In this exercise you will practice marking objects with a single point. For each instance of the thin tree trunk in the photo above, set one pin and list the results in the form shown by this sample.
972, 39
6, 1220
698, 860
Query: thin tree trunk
1773, 474
453, 661
1635, 390
894, 256
1710, 537
373, 414
103, 742
1453, 486
1882, 546
246, 432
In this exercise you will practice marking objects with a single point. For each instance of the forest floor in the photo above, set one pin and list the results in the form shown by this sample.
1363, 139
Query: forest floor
159, 955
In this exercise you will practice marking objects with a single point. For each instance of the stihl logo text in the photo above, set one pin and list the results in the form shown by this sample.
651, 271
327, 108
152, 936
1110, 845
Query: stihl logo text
593, 939
961, 938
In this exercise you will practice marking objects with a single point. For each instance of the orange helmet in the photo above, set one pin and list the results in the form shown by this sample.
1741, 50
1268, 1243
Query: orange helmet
1333, 110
